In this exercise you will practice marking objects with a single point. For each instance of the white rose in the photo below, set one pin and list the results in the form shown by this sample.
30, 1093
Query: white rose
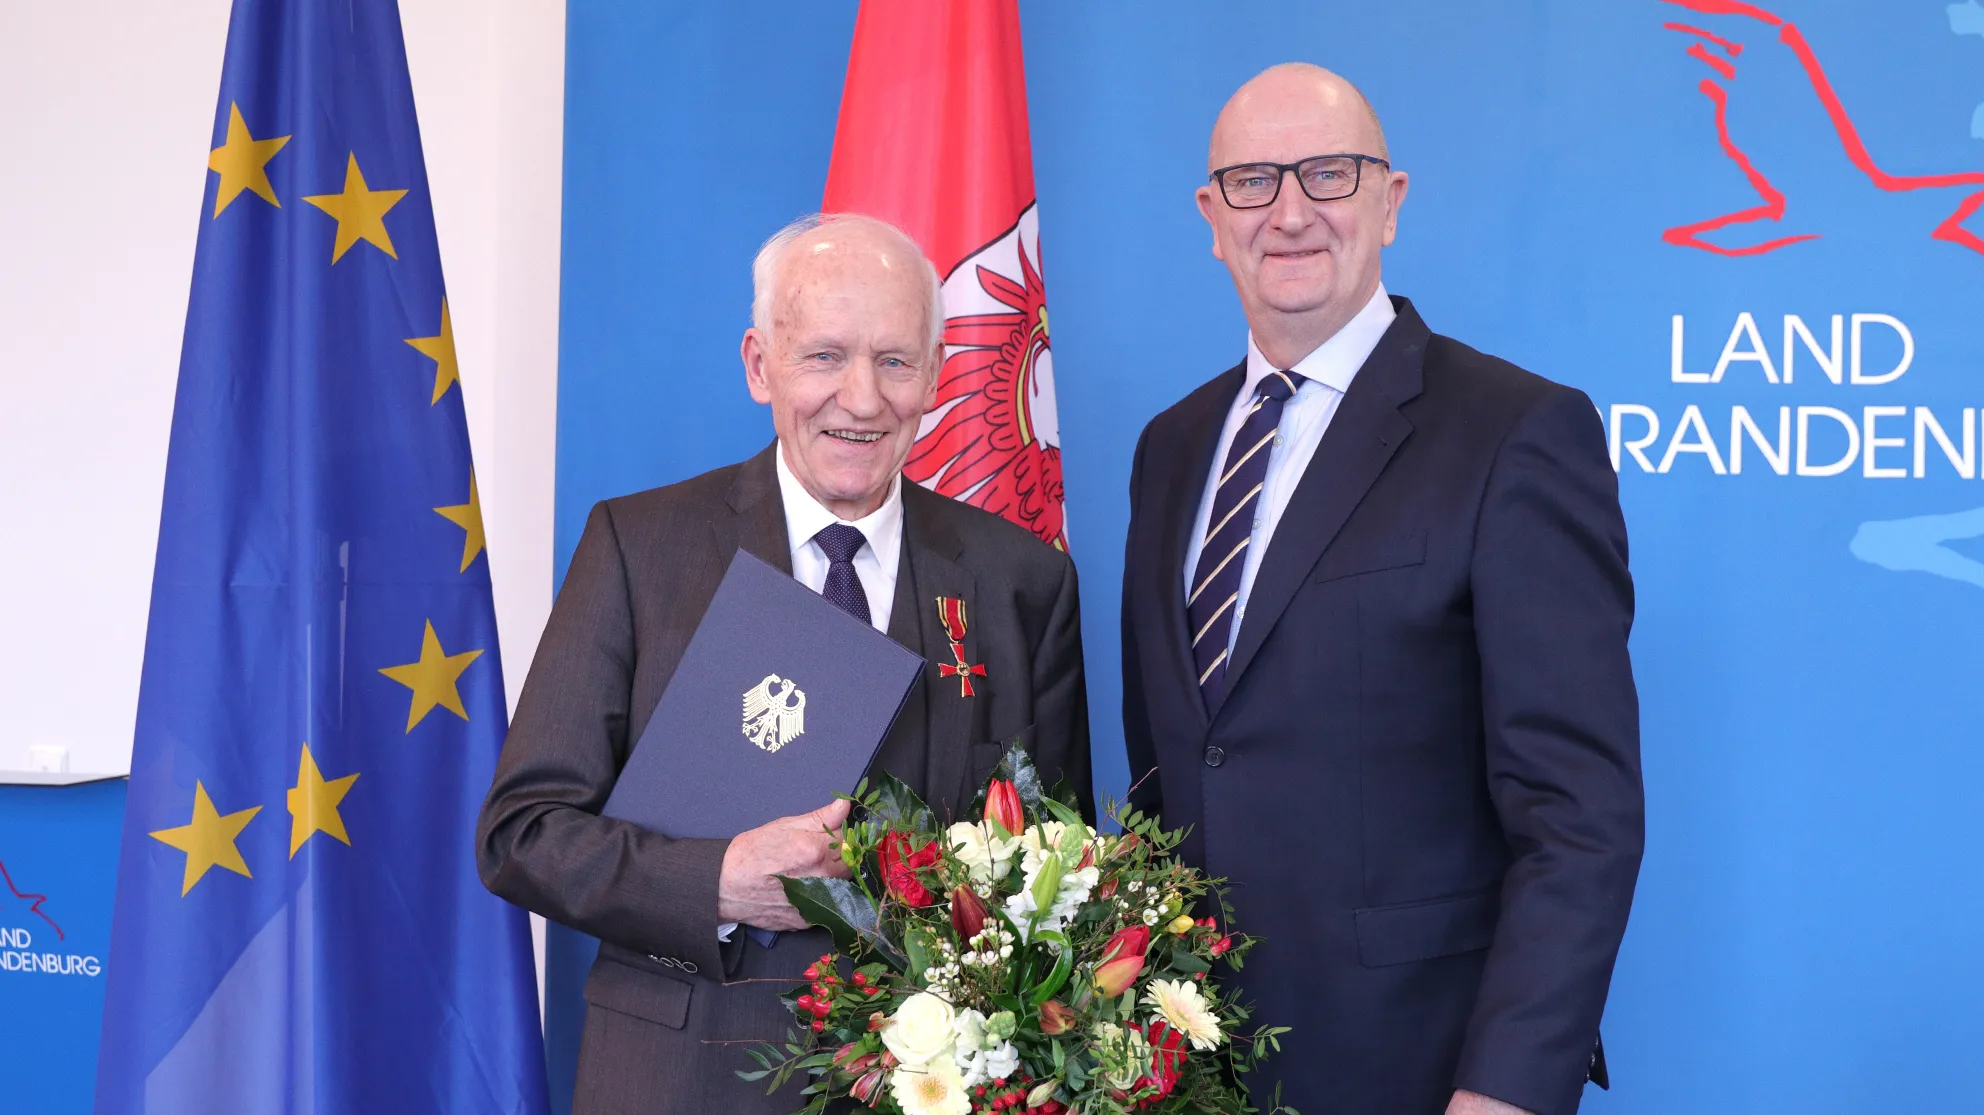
921, 1030
985, 856
1038, 842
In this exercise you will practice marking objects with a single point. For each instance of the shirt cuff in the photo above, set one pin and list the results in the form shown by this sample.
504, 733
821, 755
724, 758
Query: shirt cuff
724, 931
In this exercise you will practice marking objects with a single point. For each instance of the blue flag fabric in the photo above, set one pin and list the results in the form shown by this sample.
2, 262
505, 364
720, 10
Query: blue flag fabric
299, 926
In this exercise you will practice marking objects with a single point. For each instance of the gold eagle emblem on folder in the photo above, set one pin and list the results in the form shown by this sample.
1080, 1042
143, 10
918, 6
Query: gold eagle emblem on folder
774, 712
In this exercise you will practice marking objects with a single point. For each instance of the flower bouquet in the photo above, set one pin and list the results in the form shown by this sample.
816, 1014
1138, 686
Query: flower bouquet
1018, 963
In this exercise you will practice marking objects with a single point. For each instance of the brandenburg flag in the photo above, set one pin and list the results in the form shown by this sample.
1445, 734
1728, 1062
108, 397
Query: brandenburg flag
933, 137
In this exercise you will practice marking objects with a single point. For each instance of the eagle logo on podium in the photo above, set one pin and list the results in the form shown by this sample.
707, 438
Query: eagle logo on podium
774, 712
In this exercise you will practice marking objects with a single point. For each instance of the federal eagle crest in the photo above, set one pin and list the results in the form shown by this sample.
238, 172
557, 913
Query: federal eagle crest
774, 719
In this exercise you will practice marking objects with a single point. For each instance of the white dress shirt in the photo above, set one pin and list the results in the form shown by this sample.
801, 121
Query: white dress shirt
1326, 373
875, 563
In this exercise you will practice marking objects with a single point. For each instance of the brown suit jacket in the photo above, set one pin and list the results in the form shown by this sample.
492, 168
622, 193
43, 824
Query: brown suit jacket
664, 995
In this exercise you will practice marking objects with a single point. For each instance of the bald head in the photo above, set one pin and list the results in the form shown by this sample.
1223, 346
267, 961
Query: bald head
834, 241
1294, 96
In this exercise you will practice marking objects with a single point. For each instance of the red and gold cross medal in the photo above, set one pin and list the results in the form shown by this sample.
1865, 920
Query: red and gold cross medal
951, 611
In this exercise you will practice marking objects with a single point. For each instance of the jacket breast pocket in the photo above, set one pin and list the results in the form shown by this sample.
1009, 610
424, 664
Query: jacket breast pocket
1424, 930
647, 995
1392, 553
983, 757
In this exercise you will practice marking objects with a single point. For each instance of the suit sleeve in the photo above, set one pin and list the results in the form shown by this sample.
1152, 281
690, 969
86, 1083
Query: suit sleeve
540, 841
1138, 745
1061, 693
1553, 604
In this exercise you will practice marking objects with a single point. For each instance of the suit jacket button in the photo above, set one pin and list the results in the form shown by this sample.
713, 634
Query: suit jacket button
1215, 756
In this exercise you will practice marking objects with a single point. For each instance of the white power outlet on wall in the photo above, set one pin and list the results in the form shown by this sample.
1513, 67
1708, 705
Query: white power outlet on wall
49, 758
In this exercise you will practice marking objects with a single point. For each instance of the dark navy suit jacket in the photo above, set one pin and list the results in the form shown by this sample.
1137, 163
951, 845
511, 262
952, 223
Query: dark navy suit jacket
1424, 778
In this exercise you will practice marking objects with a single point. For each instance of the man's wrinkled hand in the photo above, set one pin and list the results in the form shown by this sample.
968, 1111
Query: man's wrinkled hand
808, 845
1474, 1103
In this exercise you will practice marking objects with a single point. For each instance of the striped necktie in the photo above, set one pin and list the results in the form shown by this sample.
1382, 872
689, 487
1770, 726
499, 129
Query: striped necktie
1215, 594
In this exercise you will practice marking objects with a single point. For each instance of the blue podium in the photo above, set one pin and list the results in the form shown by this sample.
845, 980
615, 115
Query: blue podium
58, 873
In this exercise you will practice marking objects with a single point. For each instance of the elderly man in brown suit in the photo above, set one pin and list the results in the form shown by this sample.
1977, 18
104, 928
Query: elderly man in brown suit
845, 346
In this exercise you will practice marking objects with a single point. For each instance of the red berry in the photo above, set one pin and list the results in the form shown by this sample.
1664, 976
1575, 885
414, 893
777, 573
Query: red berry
812, 971
818, 1025
821, 1010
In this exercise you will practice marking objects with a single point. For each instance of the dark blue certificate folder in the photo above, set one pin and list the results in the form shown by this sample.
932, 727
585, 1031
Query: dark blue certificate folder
780, 702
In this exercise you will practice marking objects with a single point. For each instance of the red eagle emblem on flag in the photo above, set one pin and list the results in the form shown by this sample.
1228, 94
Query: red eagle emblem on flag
993, 440
933, 137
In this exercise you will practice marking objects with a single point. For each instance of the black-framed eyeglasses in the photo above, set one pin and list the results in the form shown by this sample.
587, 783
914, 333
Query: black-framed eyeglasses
1323, 178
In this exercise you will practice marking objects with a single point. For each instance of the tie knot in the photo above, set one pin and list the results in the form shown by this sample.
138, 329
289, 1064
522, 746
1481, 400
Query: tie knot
840, 542
1279, 385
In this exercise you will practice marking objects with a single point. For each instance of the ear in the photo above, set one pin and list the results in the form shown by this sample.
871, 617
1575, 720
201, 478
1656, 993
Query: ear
757, 373
1206, 202
1395, 187
936, 375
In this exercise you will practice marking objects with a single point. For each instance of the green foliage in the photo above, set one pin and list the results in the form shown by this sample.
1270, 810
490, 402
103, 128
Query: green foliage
893, 805
1015, 766
839, 907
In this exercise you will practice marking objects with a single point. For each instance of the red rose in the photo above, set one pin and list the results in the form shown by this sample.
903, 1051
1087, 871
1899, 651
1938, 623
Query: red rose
1167, 1057
900, 865
1002, 805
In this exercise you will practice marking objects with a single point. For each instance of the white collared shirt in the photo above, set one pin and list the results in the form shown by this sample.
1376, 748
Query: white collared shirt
875, 563
1327, 373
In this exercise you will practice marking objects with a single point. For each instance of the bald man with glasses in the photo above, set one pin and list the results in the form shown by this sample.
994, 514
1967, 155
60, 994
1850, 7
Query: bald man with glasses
1375, 611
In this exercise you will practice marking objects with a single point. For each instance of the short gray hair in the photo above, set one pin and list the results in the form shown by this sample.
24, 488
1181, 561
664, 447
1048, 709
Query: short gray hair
764, 267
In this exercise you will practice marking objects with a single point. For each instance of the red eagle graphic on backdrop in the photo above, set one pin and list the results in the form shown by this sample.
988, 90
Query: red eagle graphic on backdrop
1722, 53
933, 137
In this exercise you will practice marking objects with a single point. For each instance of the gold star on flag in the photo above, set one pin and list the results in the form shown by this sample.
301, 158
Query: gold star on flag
361, 212
433, 678
242, 162
208, 840
440, 349
467, 516
313, 804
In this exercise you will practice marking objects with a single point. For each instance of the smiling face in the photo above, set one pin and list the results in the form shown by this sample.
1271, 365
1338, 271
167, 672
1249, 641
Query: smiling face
846, 364
1302, 268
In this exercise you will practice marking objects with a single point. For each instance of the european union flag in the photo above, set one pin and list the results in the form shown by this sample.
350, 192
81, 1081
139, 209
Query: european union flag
299, 926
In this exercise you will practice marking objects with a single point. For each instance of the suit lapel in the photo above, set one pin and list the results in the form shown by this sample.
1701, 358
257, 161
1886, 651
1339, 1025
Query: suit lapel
1189, 474
1365, 432
760, 523
932, 548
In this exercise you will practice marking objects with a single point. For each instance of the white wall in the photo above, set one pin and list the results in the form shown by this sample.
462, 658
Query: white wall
106, 109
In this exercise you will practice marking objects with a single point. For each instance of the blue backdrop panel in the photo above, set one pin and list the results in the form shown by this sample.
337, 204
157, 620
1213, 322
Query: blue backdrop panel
1804, 934
58, 873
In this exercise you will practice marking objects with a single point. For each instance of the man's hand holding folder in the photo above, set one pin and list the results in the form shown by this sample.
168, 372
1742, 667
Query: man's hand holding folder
808, 845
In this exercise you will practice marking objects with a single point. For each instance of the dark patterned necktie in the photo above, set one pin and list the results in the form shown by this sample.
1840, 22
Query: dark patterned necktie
1236, 499
840, 543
